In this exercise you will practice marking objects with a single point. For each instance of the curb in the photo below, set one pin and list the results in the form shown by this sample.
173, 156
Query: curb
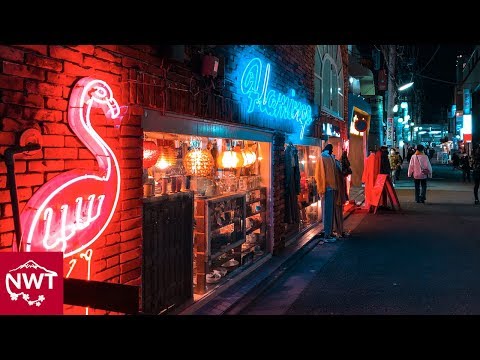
290, 261
248, 289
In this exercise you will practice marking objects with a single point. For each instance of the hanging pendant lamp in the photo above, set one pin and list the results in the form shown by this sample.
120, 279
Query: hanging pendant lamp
150, 153
166, 156
198, 162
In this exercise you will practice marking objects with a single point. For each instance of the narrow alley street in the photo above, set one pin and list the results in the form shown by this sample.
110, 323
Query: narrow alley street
424, 260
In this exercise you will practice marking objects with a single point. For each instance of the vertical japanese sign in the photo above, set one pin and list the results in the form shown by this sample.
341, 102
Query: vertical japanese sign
467, 102
389, 137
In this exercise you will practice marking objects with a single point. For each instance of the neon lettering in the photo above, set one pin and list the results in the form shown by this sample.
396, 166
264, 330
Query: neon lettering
269, 101
83, 216
72, 264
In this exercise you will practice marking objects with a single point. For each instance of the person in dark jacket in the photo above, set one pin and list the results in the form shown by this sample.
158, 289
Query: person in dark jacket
455, 161
465, 166
292, 184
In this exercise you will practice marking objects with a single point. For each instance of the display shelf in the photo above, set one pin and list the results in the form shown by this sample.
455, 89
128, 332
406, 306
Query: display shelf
256, 227
221, 227
257, 188
227, 248
249, 247
254, 201
206, 249
255, 213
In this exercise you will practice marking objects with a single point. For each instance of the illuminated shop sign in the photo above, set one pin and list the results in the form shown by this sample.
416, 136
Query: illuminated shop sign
255, 85
467, 128
72, 210
467, 101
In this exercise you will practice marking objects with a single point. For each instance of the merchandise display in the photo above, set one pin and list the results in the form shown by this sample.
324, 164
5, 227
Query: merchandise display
229, 179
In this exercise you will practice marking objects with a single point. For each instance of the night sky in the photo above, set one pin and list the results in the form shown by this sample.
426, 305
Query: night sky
438, 94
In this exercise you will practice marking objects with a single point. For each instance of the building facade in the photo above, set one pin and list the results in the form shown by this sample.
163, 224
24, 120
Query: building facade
155, 130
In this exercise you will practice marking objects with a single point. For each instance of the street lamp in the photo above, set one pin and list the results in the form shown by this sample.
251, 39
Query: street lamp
406, 86
395, 108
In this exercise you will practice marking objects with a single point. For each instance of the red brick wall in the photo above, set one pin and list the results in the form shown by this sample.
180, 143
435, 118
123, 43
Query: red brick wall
35, 84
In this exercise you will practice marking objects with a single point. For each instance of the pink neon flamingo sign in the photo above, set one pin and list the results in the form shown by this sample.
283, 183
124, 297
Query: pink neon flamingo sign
72, 210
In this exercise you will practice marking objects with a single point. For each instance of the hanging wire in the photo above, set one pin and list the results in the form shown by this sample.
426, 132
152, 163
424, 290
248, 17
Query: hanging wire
438, 47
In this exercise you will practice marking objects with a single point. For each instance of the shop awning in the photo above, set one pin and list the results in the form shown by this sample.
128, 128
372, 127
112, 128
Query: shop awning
153, 120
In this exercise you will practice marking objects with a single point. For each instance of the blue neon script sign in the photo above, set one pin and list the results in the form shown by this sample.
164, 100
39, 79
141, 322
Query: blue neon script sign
271, 102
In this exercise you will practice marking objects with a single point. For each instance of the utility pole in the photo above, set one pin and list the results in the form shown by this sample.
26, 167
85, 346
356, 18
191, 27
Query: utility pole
392, 56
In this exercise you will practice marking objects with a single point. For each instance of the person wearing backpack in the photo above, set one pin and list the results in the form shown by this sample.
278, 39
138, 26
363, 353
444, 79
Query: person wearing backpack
421, 169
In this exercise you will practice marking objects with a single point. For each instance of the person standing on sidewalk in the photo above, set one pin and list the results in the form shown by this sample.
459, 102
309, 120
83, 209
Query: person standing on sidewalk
465, 166
394, 164
476, 171
325, 176
421, 169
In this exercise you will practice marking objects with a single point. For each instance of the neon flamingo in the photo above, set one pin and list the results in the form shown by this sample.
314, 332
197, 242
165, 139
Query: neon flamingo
71, 211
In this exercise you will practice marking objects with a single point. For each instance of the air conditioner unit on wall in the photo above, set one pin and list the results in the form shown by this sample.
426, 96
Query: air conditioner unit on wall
210, 65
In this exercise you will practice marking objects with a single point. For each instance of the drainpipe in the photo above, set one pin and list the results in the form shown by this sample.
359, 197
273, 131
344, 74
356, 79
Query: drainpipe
12, 184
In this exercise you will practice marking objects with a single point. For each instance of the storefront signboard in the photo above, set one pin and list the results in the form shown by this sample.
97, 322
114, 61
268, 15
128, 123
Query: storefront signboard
72, 210
254, 84
389, 137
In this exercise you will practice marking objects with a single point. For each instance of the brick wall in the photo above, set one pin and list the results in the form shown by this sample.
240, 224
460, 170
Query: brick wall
35, 84
278, 193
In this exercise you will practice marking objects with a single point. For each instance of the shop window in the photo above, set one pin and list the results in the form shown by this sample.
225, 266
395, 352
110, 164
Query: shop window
230, 179
327, 84
309, 204
328, 79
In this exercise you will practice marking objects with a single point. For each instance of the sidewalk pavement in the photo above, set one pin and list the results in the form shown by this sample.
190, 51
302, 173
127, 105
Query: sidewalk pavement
237, 296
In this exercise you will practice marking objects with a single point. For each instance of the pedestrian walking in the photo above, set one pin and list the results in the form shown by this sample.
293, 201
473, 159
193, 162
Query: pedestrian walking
455, 161
476, 171
465, 166
421, 169
399, 167
394, 164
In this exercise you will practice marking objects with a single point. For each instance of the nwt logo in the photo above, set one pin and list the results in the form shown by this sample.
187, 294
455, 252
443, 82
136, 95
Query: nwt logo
33, 283
24, 281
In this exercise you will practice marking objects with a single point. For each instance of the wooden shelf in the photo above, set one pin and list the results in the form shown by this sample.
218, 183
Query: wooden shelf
221, 227
256, 200
249, 247
227, 248
257, 188
254, 228
256, 213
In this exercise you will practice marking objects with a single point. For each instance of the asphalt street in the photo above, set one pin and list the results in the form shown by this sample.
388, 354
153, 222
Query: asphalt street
424, 259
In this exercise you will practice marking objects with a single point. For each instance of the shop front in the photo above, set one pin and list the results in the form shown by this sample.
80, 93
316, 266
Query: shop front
302, 201
226, 170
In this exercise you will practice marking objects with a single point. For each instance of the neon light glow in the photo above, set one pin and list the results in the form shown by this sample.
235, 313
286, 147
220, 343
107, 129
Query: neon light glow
87, 256
72, 210
272, 102
467, 128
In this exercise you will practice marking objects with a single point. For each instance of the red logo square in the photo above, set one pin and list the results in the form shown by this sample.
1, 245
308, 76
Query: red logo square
31, 283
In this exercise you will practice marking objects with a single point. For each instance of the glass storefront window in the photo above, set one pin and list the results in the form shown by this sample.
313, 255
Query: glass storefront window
230, 179
309, 204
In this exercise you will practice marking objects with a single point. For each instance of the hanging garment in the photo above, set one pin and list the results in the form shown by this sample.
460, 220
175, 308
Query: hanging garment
292, 185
